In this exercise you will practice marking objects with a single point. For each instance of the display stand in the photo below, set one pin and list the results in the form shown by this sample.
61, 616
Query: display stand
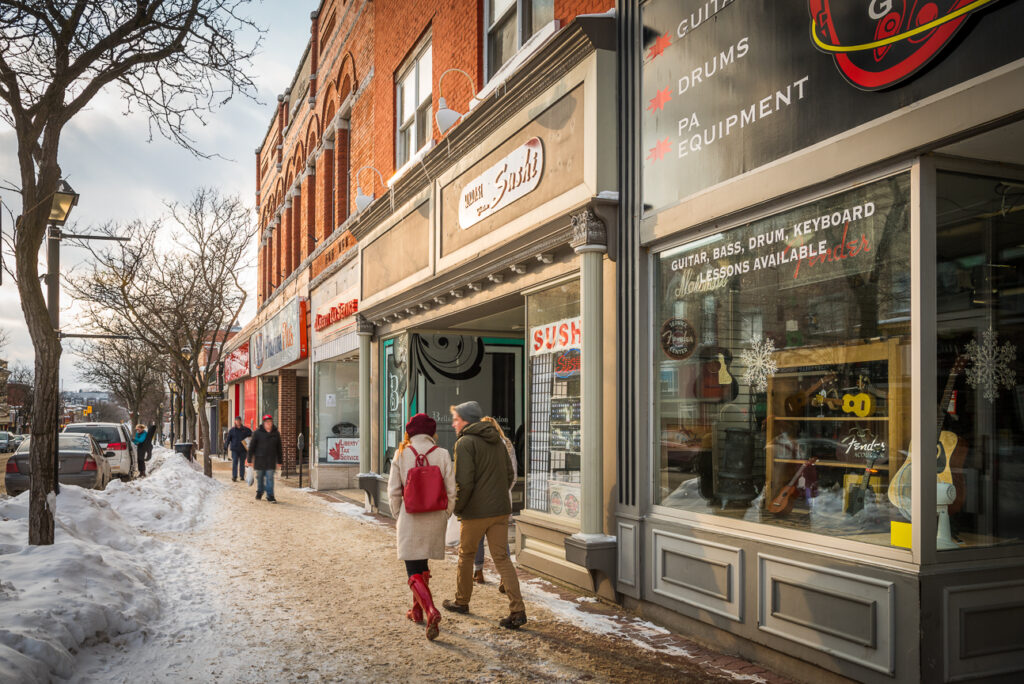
827, 432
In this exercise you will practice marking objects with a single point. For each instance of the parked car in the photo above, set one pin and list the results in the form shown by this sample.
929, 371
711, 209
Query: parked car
16, 441
81, 463
6, 441
116, 442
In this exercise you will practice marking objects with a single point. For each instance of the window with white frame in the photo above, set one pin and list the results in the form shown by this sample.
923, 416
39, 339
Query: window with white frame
413, 104
510, 23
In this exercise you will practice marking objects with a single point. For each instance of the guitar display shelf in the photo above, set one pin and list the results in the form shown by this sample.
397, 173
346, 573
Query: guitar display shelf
824, 360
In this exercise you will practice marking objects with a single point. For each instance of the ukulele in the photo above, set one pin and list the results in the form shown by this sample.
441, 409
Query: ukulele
797, 402
784, 500
949, 454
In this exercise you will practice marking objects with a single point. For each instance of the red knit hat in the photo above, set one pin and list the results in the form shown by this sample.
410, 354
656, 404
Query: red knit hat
421, 424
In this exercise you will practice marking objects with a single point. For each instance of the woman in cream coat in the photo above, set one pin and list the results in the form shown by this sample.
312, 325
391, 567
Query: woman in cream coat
420, 535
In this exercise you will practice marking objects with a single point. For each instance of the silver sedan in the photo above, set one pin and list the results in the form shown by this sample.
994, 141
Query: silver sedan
81, 463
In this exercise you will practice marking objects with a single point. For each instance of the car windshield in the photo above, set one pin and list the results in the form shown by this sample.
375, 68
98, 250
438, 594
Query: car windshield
68, 442
104, 434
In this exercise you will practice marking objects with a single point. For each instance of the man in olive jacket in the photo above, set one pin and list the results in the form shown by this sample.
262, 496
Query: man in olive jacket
265, 454
483, 477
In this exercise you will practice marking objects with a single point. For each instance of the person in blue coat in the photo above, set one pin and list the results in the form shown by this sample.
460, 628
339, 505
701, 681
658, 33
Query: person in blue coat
235, 441
143, 441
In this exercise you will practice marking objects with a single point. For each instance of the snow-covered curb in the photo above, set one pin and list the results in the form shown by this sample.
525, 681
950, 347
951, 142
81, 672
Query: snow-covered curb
96, 580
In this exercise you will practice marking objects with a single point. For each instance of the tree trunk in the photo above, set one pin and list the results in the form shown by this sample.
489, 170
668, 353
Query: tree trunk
46, 343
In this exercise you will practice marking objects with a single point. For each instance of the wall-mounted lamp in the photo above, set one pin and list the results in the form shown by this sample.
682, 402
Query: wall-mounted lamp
362, 199
446, 117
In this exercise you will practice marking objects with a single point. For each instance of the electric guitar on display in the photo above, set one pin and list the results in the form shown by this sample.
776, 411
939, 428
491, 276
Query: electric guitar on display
858, 494
949, 453
784, 500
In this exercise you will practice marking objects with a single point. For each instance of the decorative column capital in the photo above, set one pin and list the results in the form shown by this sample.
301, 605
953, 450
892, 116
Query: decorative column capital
588, 232
364, 326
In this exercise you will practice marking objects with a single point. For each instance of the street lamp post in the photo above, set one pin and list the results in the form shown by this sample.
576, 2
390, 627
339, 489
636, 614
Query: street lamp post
64, 199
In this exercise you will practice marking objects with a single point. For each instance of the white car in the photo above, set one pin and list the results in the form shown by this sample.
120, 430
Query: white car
116, 442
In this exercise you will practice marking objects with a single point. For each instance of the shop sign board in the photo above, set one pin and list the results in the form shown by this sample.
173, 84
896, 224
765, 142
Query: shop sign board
729, 86
510, 179
556, 337
344, 450
281, 340
236, 364
335, 312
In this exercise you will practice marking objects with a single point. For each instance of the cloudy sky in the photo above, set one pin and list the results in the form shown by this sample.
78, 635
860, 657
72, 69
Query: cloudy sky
121, 175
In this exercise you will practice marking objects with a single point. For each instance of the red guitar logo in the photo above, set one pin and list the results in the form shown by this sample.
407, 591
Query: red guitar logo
878, 43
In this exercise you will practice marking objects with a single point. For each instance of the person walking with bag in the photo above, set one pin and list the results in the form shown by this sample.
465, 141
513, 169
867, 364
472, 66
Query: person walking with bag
483, 477
478, 562
235, 443
421, 489
265, 454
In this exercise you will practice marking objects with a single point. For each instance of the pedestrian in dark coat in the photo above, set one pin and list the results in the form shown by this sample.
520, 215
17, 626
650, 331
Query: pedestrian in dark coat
235, 442
483, 477
265, 454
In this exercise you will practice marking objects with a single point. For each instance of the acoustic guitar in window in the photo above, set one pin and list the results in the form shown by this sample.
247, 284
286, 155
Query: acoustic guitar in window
950, 453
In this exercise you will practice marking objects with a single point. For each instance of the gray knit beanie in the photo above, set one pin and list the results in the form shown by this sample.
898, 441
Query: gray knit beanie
470, 411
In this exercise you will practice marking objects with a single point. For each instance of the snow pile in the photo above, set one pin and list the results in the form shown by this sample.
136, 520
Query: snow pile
95, 581
171, 499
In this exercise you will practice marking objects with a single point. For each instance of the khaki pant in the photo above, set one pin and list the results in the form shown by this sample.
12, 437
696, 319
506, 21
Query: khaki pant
496, 531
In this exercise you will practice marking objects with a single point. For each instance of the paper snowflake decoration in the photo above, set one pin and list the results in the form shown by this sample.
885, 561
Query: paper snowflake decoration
989, 364
760, 363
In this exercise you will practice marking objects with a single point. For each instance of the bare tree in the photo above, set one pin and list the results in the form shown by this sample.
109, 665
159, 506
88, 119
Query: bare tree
128, 369
174, 59
182, 299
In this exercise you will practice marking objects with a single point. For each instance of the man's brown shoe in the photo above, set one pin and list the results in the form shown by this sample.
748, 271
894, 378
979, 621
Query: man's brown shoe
514, 621
478, 577
448, 604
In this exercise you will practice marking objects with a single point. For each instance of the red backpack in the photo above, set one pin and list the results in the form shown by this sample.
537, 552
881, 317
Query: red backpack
424, 486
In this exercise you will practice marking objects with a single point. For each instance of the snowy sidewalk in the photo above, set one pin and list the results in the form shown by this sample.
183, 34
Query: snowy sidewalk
305, 590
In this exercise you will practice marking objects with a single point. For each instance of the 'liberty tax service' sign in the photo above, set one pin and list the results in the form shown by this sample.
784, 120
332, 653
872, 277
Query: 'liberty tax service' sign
281, 341
512, 178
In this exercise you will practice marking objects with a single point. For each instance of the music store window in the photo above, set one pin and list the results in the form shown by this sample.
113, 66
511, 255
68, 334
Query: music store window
554, 344
980, 327
781, 373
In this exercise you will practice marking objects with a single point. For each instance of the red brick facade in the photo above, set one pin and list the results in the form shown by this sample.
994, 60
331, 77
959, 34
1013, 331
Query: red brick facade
356, 48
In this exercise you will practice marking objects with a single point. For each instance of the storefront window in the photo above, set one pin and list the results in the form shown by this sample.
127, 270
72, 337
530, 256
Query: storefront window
980, 301
781, 367
268, 397
337, 412
554, 343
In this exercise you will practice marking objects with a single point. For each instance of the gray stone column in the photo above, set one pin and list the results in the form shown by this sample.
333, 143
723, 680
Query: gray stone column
364, 329
589, 239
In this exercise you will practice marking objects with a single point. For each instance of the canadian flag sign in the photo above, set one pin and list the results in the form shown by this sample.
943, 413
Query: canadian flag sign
555, 337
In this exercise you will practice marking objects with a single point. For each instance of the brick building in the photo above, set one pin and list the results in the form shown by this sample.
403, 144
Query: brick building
367, 278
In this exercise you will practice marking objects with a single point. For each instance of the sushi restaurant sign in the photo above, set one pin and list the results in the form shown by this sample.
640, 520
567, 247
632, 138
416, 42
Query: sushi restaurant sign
512, 178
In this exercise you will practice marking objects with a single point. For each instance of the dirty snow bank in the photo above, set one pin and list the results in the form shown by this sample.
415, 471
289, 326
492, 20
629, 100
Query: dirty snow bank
96, 580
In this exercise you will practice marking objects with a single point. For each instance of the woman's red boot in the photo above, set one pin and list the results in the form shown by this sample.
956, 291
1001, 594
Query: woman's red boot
421, 590
415, 613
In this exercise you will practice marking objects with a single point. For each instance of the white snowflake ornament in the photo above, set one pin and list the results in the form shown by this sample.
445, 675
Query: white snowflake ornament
989, 364
760, 363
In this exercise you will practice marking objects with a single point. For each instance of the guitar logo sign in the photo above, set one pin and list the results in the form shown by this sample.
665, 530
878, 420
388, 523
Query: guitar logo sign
878, 43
